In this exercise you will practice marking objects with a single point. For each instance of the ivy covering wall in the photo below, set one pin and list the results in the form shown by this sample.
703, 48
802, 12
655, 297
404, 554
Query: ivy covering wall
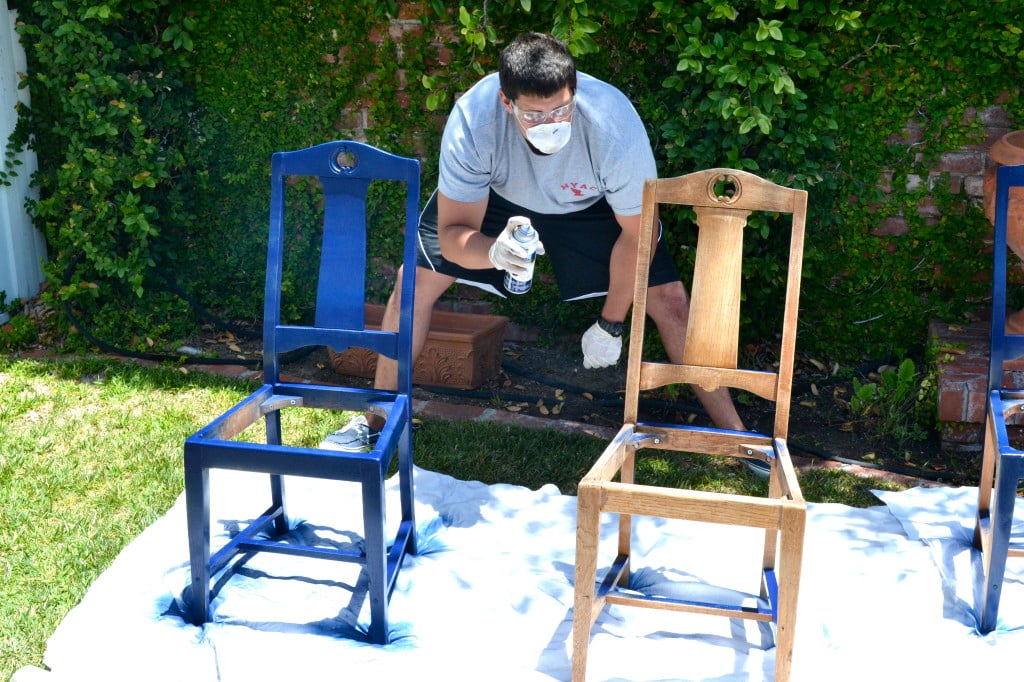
154, 122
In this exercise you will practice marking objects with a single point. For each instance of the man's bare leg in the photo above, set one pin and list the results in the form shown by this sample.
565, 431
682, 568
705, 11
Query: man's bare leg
429, 287
669, 307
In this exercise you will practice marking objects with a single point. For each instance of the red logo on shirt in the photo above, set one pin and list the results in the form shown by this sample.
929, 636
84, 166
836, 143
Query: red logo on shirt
579, 189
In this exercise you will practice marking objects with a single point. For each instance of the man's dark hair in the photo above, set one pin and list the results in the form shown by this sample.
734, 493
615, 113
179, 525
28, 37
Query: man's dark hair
536, 64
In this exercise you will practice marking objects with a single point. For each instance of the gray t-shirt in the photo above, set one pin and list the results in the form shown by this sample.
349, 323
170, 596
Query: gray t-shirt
608, 153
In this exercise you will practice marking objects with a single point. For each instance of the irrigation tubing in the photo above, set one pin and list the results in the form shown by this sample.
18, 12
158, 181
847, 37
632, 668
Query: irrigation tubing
87, 334
598, 399
605, 399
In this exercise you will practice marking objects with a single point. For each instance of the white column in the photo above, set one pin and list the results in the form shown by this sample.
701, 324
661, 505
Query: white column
22, 247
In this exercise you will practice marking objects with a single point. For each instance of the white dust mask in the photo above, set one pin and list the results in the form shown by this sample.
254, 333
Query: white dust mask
548, 138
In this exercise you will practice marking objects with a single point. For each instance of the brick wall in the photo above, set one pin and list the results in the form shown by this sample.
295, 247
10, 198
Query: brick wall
966, 166
407, 23
962, 365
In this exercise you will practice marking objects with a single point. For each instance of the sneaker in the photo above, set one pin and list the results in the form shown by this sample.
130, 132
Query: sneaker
760, 468
356, 436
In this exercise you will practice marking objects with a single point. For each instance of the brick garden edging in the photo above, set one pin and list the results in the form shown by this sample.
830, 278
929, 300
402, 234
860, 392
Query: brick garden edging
962, 369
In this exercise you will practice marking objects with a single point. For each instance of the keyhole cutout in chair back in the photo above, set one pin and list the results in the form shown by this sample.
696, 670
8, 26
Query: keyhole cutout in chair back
345, 161
724, 189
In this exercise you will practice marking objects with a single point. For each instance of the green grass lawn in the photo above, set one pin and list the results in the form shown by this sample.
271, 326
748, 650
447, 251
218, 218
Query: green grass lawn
90, 455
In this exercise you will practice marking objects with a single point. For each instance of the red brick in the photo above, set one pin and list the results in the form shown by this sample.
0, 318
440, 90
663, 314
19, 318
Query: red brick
974, 412
996, 117
398, 29
1013, 379
969, 364
961, 438
927, 207
951, 404
444, 56
908, 136
885, 182
973, 186
410, 10
891, 227
965, 163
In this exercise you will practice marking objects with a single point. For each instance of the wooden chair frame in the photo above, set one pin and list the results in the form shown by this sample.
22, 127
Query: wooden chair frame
1002, 466
345, 171
710, 361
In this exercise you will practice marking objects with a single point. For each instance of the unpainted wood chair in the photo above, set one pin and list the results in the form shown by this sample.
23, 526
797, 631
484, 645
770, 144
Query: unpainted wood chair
344, 171
1002, 465
722, 200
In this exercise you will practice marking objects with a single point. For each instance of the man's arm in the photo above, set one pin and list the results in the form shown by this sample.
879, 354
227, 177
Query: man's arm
602, 342
458, 231
622, 270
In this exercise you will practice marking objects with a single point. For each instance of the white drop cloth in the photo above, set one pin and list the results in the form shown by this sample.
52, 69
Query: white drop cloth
888, 593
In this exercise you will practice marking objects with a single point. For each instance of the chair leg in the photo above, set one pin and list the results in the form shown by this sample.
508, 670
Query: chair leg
627, 475
197, 512
588, 534
771, 535
273, 426
1007, 477
790, 564
277, 499
376, 558
405, 484
988, 471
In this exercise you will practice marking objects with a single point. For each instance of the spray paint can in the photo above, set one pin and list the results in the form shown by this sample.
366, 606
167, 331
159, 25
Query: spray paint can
527, 237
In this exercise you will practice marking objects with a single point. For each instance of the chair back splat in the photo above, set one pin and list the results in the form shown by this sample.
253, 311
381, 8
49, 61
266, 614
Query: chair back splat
722, 200
339, 175
1002, 464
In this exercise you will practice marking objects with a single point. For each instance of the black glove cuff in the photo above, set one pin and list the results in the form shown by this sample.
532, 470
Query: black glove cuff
612, 328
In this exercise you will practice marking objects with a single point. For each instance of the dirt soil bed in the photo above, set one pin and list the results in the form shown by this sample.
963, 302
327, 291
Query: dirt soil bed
549, 381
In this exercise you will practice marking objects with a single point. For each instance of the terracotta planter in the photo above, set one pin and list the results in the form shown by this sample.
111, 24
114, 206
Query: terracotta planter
1008, 151
462, 350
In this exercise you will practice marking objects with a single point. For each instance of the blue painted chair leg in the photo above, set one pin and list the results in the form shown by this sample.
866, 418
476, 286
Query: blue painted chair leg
273, 426
197, 512
1003, 499
405, 467
376, 559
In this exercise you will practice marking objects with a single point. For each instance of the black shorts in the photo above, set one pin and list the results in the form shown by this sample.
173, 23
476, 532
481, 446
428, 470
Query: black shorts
578, 246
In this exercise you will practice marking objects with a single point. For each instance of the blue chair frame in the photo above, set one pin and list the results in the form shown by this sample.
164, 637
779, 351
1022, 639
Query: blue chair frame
1002, 466
345, 170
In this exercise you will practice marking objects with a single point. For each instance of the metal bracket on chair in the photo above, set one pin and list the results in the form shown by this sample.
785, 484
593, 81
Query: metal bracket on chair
279, 402
641, 440
765, 454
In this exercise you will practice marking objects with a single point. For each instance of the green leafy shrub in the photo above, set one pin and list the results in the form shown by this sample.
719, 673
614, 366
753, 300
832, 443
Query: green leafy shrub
291, 76
17, 332
913, 83
900, 405
110, 122
155, 121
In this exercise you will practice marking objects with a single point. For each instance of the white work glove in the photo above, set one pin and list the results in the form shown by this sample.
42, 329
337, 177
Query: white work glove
508, 254
600, 349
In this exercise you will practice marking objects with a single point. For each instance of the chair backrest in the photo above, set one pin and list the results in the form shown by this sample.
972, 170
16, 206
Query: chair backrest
722, 200
1003, 345
345, 171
